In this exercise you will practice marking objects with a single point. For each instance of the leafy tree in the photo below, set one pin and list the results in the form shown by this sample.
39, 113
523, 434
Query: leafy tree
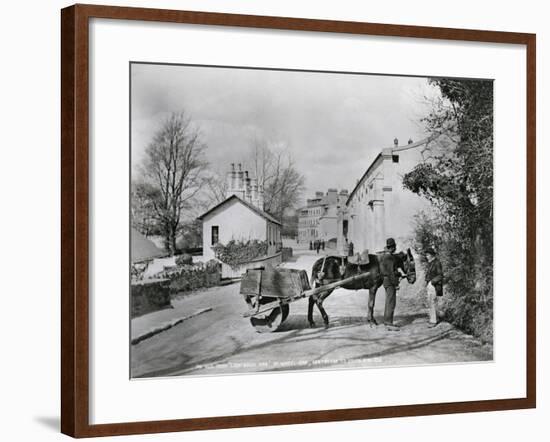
457, 177
144, 218
191, 235
290, 224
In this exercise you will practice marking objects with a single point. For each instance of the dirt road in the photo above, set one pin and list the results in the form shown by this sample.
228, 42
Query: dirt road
222, 341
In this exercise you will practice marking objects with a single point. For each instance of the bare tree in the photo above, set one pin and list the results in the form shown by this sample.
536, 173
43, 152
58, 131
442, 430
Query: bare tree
174, 166
283, 184
215, 189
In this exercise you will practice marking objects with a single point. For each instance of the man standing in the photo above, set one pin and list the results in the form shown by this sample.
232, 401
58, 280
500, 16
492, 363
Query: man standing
350, 249
391, 275
434, 281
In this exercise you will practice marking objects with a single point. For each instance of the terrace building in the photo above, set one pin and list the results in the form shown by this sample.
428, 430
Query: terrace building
318, 220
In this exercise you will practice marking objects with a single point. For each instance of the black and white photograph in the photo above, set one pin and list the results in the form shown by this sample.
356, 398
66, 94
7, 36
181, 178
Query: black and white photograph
290, 220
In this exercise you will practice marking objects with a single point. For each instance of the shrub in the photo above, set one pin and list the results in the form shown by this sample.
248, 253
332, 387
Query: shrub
137, 270
191, 277
468, 296
184, 259
235, 253
456, 176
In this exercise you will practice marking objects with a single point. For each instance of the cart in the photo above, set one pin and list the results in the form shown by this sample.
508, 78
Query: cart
269, 291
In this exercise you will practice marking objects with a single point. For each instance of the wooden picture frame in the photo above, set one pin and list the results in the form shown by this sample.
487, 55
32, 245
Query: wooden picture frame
75, 247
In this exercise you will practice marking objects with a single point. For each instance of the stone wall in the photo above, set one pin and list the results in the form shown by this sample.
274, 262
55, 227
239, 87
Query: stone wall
150, 295
195, 277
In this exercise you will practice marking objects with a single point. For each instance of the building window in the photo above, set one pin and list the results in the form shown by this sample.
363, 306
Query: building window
215, 235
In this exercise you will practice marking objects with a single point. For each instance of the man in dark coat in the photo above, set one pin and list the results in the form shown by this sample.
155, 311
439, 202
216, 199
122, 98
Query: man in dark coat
350, 249
391, 275
434, 284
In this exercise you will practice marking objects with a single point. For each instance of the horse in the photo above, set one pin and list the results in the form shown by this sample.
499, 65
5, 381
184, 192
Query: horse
336, 268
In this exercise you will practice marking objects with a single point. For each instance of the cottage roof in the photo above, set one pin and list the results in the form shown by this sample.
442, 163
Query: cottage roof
143, 249
252, 207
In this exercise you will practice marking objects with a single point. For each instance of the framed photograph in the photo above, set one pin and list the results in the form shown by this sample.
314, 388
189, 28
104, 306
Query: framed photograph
272, 221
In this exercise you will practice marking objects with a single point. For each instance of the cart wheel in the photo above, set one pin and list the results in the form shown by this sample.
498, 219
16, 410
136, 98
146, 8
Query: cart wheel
271, 321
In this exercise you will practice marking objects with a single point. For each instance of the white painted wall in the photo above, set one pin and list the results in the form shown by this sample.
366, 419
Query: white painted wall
235, 221
404, 204
394, 207
328, 224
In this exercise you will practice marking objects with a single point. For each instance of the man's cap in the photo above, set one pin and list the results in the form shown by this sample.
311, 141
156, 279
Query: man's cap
390, 242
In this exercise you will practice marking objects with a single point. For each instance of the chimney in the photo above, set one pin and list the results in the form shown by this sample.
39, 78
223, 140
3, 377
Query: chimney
410, 141
395, 142
240, 181
254, 192
229, 179
332, 196
261, 197
247, 189
232, 181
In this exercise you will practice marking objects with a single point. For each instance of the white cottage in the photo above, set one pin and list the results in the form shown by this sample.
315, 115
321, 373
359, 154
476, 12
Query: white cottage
237, 219
240, 216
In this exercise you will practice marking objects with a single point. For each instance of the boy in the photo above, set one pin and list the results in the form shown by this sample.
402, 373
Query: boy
434, 281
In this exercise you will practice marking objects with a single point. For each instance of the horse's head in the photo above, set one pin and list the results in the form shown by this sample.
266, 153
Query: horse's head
408, 266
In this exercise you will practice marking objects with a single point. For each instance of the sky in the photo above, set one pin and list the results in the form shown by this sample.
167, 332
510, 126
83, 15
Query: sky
332, 124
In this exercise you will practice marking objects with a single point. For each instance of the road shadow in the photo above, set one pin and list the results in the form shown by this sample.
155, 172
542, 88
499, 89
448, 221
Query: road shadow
186, 367
404, 320
300, 322
319, 363
296, 330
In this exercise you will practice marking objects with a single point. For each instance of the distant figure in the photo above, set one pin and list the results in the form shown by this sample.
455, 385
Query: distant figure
323, 244
350, 249
310, 245
434, 287
317, 245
